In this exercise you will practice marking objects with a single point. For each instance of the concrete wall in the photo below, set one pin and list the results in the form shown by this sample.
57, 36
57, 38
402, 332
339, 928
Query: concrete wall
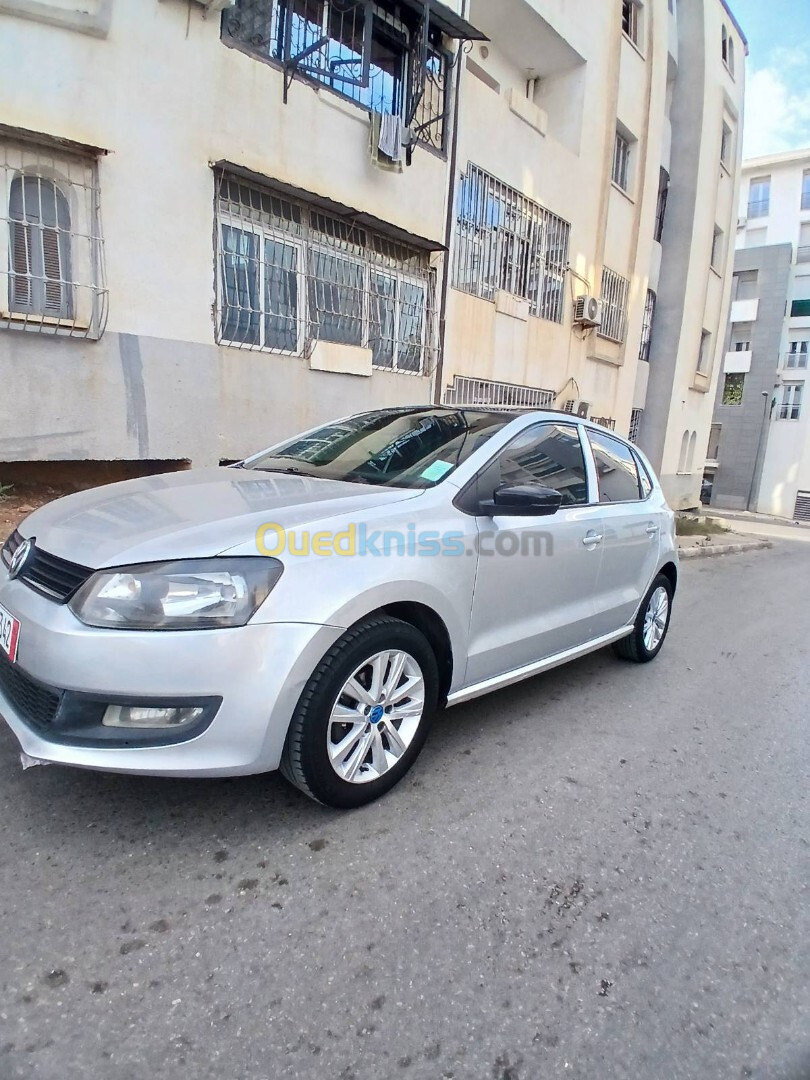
746, 427
166, 97
693, 296
785, 451
601, 80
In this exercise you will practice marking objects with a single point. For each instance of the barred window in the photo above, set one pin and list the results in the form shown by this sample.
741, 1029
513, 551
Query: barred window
505, 240
53, 257
370, 51
635, 425
290, 275
614, 300
646, 326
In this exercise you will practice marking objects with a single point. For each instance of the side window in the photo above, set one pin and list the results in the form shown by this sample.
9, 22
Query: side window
616, 468
644, 476
548, 454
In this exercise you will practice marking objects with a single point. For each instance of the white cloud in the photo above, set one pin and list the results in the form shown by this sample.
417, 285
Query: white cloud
777, 104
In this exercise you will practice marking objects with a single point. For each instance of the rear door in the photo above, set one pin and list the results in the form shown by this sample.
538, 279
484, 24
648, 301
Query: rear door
536, 579
631, 527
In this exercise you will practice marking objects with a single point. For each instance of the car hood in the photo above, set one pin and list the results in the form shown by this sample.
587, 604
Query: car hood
193, 514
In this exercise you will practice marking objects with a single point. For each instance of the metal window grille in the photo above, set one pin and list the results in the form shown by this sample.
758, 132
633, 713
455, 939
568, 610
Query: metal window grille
370, 51
290, 275
484, 393
621, 161
605, 422
635, 425
614, 293
646, 326
801, 511
790, 407
51, 252
505, 240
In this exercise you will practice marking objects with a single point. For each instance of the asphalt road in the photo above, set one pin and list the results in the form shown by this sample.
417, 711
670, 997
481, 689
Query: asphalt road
601, 873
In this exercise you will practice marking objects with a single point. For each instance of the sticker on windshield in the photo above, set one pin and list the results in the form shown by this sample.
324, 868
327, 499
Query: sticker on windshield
436, 471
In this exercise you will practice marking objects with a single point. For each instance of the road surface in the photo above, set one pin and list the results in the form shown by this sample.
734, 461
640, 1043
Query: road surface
601, 873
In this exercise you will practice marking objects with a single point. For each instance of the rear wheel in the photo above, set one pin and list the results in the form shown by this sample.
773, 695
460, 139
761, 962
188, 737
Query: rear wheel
364, 715
651, 625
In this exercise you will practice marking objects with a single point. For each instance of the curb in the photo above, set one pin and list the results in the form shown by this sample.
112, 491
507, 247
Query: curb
723, 549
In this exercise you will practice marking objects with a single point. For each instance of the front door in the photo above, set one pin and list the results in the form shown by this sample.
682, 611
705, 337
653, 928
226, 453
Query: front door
536, 579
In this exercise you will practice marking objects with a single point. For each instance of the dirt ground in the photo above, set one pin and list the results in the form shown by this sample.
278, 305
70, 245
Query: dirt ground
21, 501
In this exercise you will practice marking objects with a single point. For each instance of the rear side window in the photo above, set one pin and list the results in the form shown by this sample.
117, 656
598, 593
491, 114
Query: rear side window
644, 477
616, 469
548, 454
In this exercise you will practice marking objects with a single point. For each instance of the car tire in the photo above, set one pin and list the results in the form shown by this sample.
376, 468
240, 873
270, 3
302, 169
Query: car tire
336, 710
651, 625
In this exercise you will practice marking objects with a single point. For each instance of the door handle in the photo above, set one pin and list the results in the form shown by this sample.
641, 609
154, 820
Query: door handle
652, 530
592, 539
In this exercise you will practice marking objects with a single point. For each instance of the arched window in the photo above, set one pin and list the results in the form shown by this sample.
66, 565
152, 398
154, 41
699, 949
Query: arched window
690, 460
731, 54
684, 451
724, 45
39, 227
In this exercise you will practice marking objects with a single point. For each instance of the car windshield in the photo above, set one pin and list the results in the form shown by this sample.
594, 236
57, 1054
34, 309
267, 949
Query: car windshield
407, 448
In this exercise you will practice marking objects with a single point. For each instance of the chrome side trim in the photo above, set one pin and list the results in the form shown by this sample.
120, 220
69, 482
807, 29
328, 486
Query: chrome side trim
498, 682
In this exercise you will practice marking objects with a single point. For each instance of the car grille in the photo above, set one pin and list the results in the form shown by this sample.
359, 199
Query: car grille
47, 574
33, 702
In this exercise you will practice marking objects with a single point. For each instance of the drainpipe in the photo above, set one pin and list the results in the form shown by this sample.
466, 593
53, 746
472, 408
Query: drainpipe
767, 395
448, 227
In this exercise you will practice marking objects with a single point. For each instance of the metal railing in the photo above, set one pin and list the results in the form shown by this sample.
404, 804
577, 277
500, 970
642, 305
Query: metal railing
759, 207
505, 240
486, 394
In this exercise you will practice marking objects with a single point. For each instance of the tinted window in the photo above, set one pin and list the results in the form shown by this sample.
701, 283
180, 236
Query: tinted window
549, 454
644, 477
615, 467
411, 447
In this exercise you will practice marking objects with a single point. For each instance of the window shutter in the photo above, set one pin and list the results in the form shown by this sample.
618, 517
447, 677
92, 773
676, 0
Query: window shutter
21, 265
52, 271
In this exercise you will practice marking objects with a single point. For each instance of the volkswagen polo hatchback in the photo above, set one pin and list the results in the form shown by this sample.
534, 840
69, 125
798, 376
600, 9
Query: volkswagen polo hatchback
310, 608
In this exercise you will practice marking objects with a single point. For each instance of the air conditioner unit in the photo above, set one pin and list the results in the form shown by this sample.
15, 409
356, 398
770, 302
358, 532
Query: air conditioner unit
588, 311
577, 407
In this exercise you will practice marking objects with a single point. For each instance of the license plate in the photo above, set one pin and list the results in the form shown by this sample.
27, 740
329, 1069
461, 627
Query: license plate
9, 634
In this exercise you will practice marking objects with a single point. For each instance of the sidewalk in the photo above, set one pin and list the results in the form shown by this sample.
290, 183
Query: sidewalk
760, 525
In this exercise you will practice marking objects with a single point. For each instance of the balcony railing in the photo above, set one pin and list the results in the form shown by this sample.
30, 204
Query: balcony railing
759, 207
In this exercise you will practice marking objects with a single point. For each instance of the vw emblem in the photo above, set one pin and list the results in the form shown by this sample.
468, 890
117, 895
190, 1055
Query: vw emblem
20, 558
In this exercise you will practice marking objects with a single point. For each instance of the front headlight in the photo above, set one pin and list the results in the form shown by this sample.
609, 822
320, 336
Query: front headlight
193, 594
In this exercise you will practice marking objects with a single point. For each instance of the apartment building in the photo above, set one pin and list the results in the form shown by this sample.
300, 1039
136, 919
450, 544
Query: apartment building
227, 220
759, 451
205, 247
597, 156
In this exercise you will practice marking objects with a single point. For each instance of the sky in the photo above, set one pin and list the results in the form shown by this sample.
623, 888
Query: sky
777, 100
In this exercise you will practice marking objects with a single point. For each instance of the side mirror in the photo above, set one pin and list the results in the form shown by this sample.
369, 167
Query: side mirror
522, 500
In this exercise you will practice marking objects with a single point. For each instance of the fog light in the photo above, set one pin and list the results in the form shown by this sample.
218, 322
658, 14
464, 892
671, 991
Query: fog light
136, 716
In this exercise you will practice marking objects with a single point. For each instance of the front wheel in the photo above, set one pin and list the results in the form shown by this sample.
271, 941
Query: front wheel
651, 625
364, 714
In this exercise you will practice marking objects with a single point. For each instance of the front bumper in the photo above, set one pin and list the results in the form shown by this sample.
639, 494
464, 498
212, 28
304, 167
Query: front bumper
258, 671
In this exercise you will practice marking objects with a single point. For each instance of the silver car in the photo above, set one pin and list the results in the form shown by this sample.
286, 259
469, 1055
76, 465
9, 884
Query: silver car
311, 607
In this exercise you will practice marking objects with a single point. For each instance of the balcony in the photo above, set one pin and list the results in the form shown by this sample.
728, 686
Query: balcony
759, 207
744, 310
737, 362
